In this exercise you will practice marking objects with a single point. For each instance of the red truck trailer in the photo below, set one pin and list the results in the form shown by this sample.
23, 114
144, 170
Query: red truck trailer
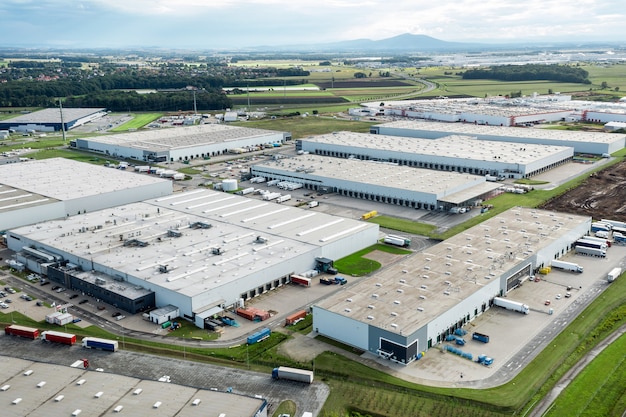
22, 331
298, 315
297, 279
58, 337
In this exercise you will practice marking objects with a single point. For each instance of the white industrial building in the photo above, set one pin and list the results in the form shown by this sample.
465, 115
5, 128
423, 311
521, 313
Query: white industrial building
605, 116
51, 120
388, 183
493, 111
412, 305
181, 144
200, 251
458, 153
36, 191
597, 143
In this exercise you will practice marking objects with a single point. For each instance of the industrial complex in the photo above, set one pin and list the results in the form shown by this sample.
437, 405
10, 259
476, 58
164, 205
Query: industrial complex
413, 305
201, 251
583, 142
182, 144
458, 153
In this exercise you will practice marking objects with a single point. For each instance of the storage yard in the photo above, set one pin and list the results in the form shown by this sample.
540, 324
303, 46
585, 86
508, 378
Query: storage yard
602, 196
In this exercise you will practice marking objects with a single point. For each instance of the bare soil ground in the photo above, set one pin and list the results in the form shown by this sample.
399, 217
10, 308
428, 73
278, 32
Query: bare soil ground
601, 196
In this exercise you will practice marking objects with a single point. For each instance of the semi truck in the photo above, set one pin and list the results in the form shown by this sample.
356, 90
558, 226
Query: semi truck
293, 374
511, 305
58, 337
245, 191
312, 204
295, 317
567, 266
601, 240
22, 331
583, 250
590, 244
270, 196
297, 279
619, 238
596, 227
613, 274
97, 343
397, 240
259, 336
283, 198
613, 223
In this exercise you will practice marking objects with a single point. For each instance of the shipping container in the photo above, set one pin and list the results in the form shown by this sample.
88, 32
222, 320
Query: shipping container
259, 336
297, 279
298, 315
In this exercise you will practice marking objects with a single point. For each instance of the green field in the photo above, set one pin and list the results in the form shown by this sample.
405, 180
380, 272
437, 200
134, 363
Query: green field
137, 122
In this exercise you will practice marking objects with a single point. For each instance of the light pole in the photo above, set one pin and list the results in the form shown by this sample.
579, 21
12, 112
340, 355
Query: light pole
184, 348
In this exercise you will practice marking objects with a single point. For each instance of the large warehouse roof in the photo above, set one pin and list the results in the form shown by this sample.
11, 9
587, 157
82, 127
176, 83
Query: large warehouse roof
178, 138
407, 295
56, 390
445, 129
48, 116
33, 183
374, 173
65, 179
453, 146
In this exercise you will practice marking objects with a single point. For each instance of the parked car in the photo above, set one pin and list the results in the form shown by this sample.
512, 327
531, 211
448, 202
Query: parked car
83, 301
73, 296
117, 313
56, 287
8, 300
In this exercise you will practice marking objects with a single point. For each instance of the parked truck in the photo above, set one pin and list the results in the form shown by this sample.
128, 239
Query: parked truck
259, 336
511, 305
583, 250
601, 240
22, 331
567, 266
619, 238
613, 274
480, 337
292, 374
312, 204
327, 281
270, 196
283, 198
397, 240
295, 317
297, 279
245, 191
58, 337
596, 227
590, 244
97, 343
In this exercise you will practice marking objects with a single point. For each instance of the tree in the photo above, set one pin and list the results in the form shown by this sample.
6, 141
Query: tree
360, 75
604, 85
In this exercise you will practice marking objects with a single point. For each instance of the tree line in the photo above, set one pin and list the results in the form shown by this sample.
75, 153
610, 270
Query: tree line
530, 72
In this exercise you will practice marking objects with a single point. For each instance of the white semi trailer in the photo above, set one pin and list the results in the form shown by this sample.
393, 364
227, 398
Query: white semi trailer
511, 305
615, 272
567, 266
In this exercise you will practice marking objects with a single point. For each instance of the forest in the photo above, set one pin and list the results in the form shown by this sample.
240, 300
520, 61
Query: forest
530, 72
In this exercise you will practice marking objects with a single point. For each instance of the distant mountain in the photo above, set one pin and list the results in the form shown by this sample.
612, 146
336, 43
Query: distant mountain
401, 43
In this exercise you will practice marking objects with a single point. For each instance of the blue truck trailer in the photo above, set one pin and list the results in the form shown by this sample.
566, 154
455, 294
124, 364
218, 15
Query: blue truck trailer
259, 336
96, 343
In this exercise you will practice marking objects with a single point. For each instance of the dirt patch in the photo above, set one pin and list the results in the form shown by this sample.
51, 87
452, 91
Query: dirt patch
601, 196
384, 258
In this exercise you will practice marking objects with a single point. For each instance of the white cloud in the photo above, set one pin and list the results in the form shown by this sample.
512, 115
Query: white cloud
190, 23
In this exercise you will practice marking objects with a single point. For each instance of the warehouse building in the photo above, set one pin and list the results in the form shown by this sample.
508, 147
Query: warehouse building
378, 181
412, 305
43, 389
36, 191
200, 251
497, 111
183, 144
51, 120
596, 143
458, 153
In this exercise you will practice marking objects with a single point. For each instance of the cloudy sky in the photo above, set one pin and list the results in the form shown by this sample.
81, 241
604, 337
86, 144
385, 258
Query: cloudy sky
225, 24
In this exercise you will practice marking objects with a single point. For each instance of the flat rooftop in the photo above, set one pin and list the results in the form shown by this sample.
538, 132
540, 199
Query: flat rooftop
37, 182
452, 146
56, 390
168, 139
54, 115
374, 173
184, 231
506, 132
407, 295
